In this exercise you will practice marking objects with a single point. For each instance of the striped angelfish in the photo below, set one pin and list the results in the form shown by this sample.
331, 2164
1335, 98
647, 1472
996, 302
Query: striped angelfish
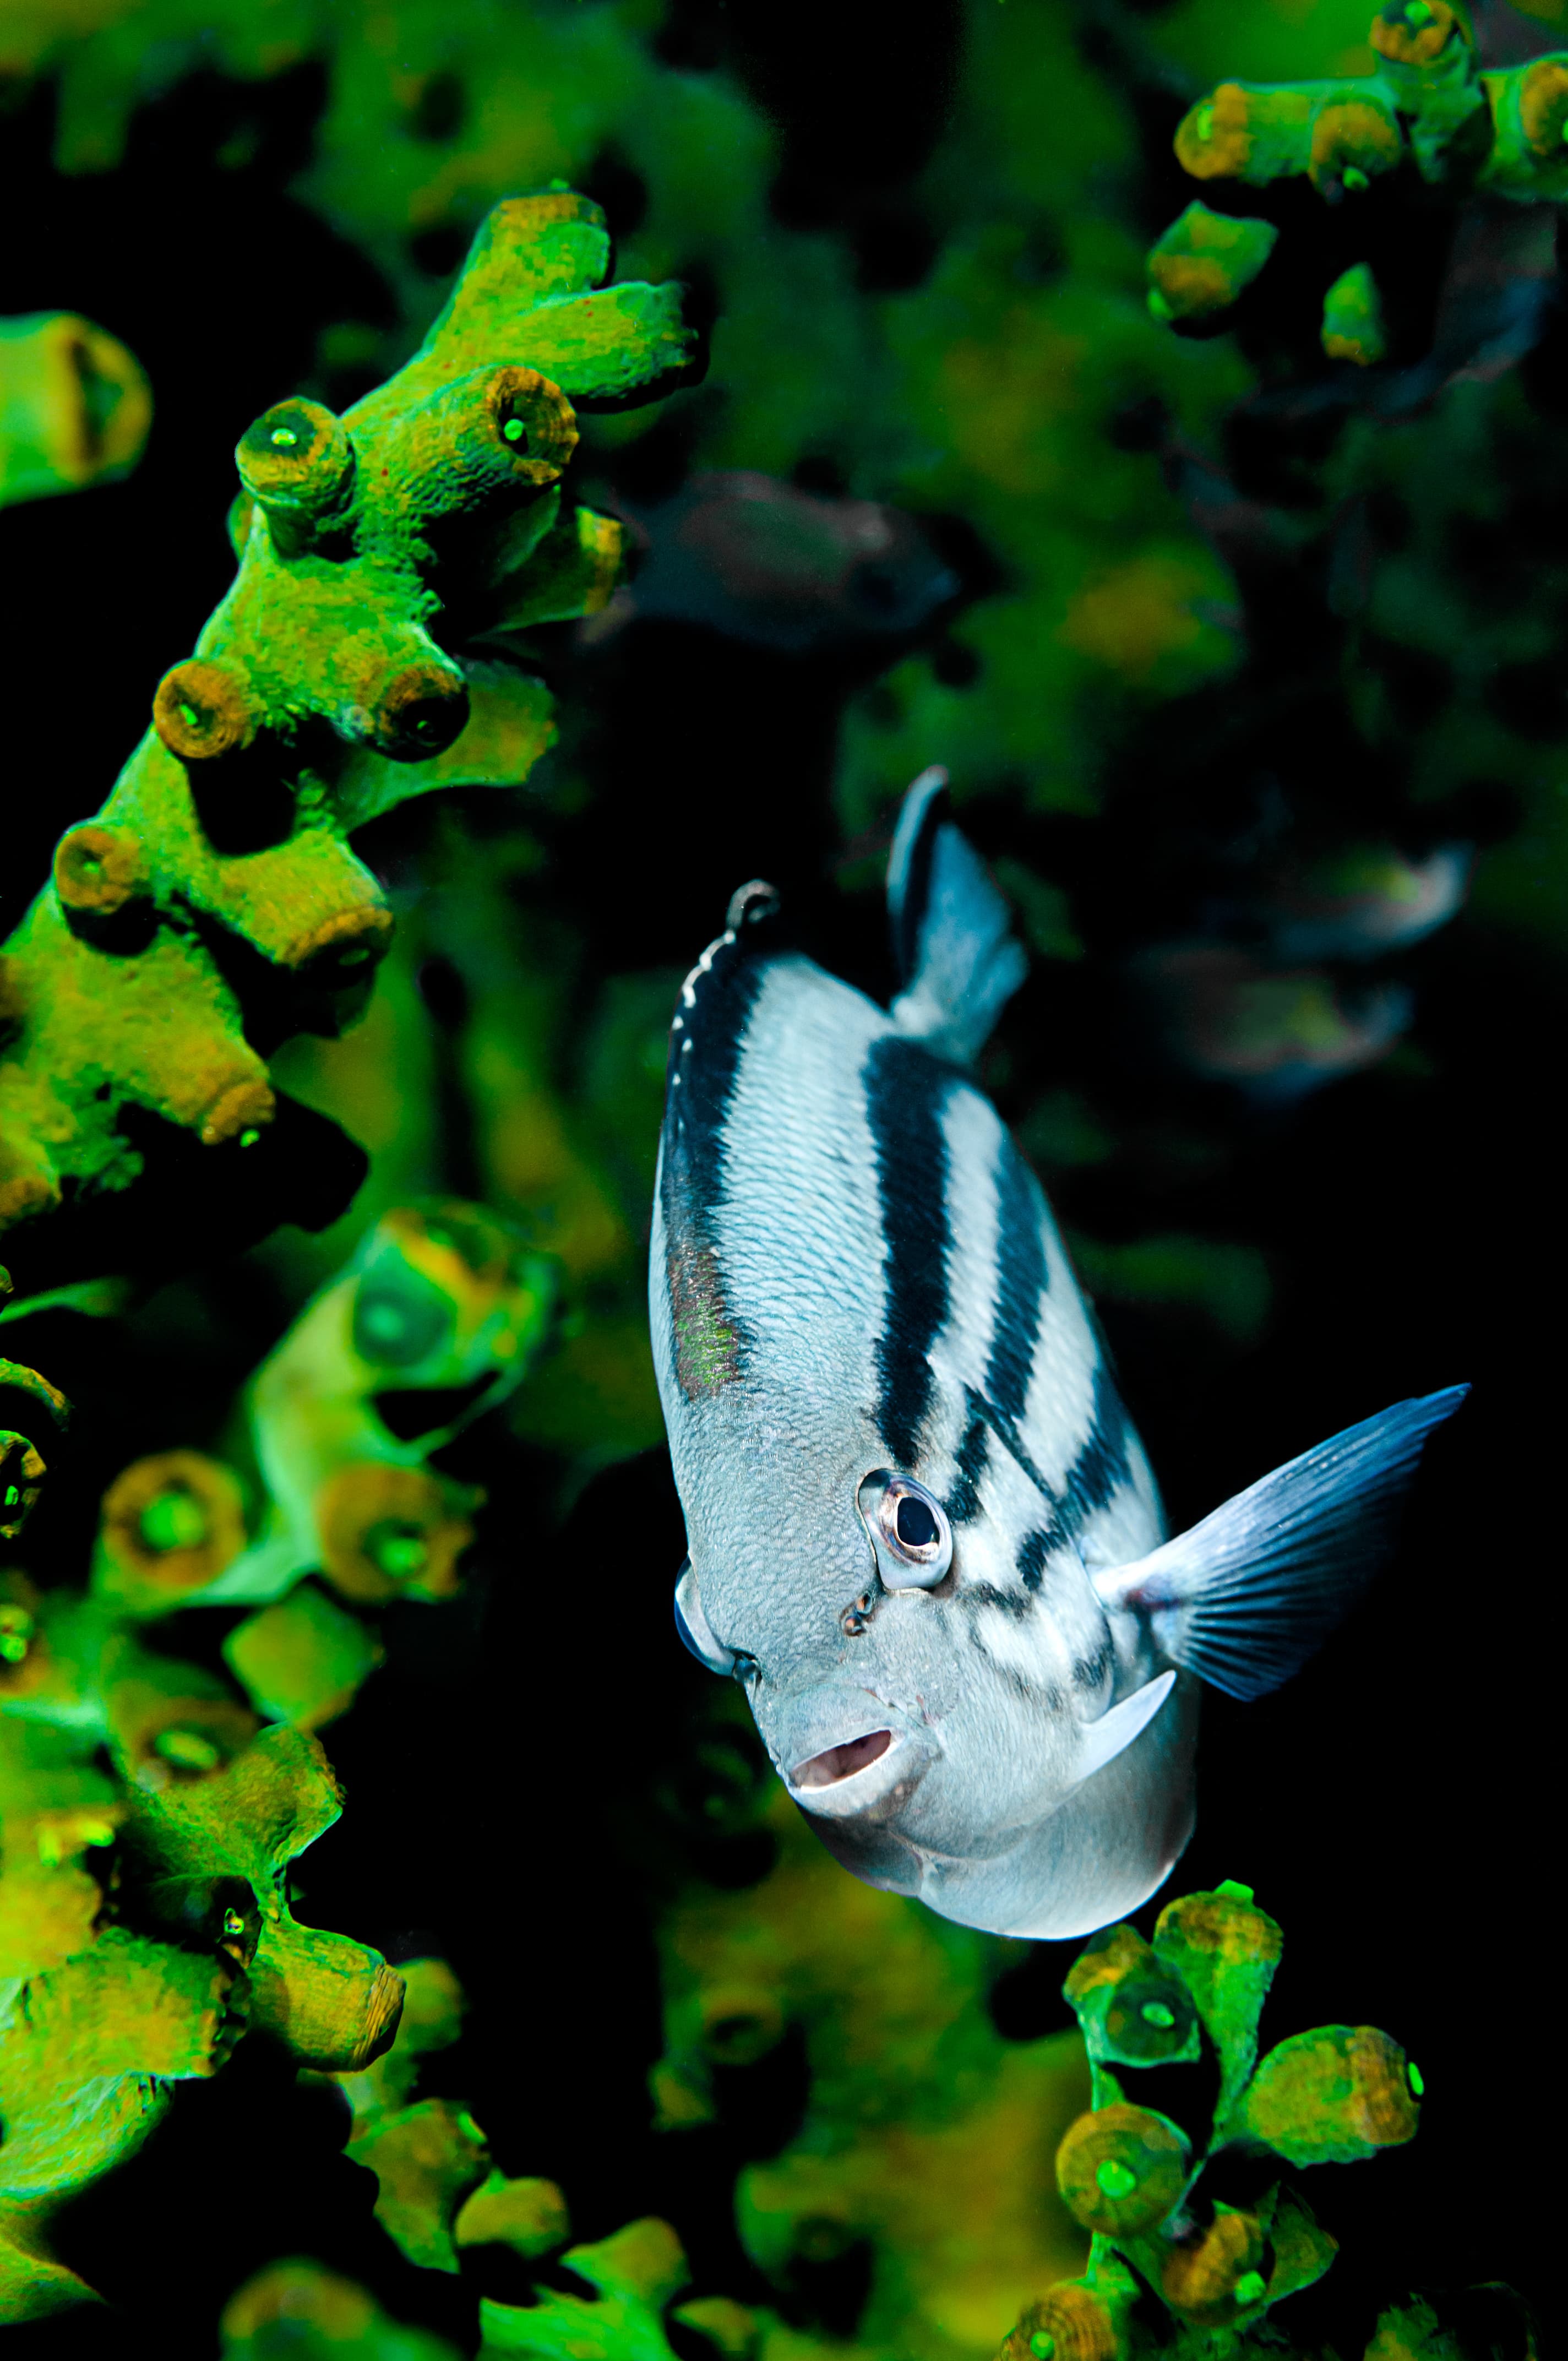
922, 1531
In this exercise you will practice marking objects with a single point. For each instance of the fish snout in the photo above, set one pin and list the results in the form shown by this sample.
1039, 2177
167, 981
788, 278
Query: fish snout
845, 1753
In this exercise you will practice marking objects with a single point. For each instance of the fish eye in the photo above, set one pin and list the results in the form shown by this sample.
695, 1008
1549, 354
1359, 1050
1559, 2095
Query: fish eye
915, 1524
909, 1526
691, 1624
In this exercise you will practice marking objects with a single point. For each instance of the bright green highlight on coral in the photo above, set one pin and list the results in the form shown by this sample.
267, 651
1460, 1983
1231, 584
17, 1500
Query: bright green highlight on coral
173, 1520
188, 1749
1204, 261
1352, 318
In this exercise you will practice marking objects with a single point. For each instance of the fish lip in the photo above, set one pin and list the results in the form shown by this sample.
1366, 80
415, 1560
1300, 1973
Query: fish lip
878, 1779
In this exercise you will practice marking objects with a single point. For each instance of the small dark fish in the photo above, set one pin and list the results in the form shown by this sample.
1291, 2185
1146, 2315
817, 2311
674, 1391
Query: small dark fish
760, 561
923, 1533
1362, 902
1274, 1033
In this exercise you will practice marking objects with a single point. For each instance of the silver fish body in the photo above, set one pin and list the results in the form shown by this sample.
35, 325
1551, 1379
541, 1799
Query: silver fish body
918, 1517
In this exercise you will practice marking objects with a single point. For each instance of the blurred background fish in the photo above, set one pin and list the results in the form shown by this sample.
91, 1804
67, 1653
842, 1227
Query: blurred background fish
755, 559
1275, 1034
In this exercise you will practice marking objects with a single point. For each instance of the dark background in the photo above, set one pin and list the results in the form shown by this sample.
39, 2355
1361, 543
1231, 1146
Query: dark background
1395, 1806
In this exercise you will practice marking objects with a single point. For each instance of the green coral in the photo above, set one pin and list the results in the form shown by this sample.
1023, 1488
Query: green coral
997, 389
204, 1812
436, 2193
438, 1301
1204, 261
320, 695
1427, 105
33, 1409
1352, 318
1134, 2177
439, 1298
75, 406
630, 2280
99, 2016
985, 391
87, 2050
1011, 364
562, 1077
300, 2311
928, 2138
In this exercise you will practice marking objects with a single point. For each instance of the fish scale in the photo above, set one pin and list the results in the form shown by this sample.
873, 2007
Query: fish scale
921, 1531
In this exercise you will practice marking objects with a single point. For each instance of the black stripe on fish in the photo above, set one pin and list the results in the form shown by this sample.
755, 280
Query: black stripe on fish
708, 1038
905, 1089
1020, 1280
1089, 1671
1018, 1609
1034, 1550
1011, 1603
1102, 1465
1007, 1434
963, 1502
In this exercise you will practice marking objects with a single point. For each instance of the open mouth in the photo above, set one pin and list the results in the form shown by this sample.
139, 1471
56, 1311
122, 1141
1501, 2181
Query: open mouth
842, 1762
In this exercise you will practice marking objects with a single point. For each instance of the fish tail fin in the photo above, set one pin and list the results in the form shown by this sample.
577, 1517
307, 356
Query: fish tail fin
1246, 1596
957, 959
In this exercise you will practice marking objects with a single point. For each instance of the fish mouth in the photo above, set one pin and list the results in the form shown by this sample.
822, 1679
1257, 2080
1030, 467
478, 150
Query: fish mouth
868, 1768
837, 1763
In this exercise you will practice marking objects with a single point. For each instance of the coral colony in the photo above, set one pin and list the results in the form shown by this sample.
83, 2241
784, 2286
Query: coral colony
838, 433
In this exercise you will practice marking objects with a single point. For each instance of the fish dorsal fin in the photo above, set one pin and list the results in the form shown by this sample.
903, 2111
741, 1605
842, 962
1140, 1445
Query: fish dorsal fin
751, 907
952, 942
1244, 1597
1114, 1732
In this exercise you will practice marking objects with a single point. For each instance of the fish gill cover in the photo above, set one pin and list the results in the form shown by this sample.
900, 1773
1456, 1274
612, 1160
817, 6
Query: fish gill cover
404, 1948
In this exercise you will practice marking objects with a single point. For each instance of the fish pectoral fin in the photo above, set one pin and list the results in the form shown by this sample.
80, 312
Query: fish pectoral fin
1244, 1597
952, 932
1114, 1732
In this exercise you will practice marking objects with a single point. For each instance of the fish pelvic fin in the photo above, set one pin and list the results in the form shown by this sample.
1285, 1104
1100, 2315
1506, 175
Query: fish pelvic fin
953, 946
1246, 1596
1114, 1732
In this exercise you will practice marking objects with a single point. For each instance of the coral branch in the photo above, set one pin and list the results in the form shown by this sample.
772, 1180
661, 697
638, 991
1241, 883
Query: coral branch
213, 907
